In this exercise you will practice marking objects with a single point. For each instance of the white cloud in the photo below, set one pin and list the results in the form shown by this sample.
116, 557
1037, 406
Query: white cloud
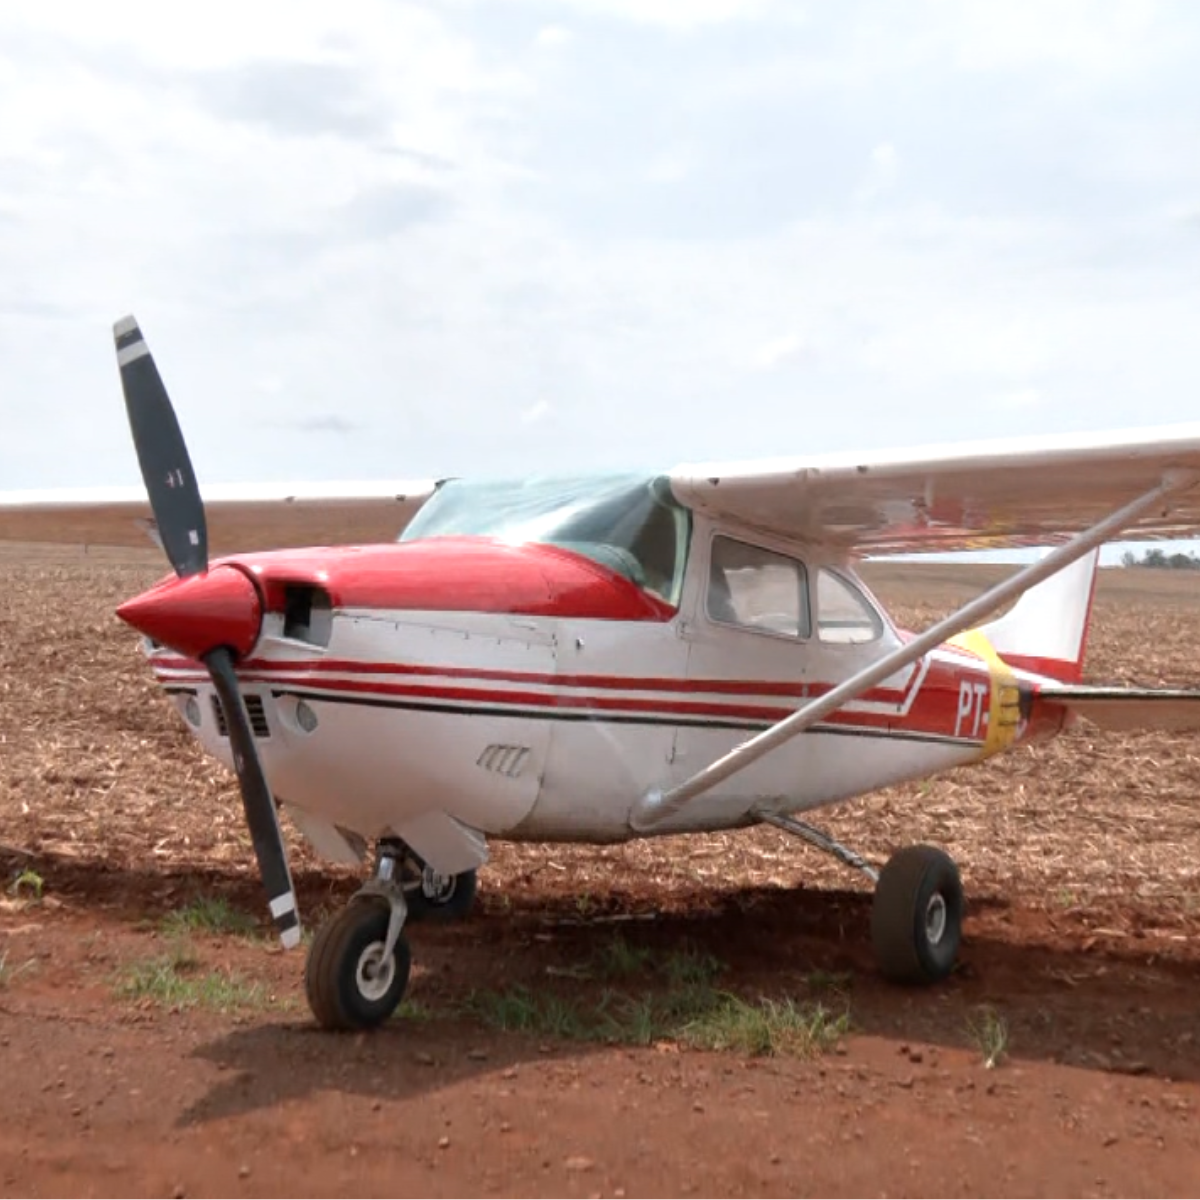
1027, 397
1100, 36
809, 227
552, 35
884, 158
884, 164
776, 351
681, 14
536, 412
671, 167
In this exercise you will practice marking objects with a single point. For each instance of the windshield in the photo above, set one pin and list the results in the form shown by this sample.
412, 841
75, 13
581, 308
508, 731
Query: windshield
630, 523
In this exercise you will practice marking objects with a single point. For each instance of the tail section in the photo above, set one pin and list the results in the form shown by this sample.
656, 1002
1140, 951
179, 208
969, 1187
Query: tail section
1047, 629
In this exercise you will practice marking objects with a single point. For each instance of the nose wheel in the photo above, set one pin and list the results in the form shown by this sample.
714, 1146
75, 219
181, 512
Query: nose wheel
358, 965
352, 979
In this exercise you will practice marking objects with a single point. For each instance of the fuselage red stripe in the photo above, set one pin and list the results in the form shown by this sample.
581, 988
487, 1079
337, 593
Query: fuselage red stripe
936, 715
265, 668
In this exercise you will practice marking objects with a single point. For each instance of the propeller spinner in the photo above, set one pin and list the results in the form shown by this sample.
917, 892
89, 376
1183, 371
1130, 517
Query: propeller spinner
213, 616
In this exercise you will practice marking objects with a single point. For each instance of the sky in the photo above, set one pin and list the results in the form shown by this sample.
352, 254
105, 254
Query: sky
376, 239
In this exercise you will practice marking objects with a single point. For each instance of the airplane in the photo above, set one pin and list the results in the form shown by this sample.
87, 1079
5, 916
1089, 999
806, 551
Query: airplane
617, 655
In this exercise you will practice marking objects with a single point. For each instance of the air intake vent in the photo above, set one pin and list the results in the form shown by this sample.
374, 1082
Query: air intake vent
504, 760
254, 707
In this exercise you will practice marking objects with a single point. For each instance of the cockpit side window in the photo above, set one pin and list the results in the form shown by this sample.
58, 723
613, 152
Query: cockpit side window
757, 589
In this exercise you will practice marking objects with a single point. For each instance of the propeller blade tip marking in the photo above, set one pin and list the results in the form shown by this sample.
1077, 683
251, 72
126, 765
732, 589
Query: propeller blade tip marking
283, 909
130, 343
132, 352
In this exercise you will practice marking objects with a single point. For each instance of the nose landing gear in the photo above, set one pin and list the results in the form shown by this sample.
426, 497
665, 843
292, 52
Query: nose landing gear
359, 962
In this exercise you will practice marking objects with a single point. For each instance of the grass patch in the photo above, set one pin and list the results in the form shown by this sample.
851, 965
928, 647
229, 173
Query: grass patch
208, 914
690, 967
989, 1031
413, 1010
175, 980
517, 1009
682, 1005
828, 981
619, 959
27, 881
767, 1027
9, 972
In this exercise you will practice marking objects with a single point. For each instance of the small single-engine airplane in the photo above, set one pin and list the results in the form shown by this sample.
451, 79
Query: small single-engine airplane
592, 659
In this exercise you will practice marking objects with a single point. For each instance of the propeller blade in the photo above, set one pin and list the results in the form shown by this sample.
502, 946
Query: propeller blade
182, 531
256, 799
162, 453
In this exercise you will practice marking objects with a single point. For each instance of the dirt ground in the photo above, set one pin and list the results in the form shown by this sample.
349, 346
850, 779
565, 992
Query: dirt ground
674, 1017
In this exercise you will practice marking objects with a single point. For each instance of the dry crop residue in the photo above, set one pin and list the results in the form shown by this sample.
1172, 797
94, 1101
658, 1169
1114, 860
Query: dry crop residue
672, 1017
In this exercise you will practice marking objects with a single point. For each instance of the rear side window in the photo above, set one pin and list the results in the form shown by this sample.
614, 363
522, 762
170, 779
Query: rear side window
843, 613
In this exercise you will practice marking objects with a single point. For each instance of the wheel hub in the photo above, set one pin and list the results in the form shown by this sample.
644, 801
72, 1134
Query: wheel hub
936, 918
374, 973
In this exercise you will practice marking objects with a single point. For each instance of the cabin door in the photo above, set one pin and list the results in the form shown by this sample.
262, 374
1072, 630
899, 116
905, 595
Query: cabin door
749, 664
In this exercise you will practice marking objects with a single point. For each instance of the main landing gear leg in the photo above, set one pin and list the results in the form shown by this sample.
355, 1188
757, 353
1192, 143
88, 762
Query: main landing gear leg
432, 896
917, 911
359, 962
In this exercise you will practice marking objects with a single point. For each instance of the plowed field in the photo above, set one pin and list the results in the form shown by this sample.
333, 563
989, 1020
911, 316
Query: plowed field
673, 1017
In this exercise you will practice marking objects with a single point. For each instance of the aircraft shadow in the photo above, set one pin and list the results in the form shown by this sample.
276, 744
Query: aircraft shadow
1065, 990
1105, 1000
269, 1064
1098, 1009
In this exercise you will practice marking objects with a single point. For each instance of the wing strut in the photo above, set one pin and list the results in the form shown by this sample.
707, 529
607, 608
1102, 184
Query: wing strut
656, 806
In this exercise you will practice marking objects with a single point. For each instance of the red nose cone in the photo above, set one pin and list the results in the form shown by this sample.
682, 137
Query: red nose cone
197, 614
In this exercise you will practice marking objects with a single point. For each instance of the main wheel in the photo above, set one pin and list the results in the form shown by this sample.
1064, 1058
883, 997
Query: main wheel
916, 916
441, 897
348, 981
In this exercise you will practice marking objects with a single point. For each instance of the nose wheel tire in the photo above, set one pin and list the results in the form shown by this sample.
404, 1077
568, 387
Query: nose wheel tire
350, 984
916, 916
441, 897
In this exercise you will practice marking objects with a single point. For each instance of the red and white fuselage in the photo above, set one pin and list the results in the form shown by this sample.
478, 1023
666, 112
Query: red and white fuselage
452, 689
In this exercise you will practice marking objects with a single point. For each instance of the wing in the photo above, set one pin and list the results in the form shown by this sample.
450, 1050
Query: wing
241, 517
966, 496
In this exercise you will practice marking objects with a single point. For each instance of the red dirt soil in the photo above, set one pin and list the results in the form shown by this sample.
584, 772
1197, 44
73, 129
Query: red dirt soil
1080, 860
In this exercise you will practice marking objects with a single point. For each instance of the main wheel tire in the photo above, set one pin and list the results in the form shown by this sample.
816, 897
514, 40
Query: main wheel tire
348, 984
916, 916
441, 897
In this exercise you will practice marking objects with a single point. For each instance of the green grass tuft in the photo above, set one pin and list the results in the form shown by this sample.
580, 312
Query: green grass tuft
175, 980
619, 959
685, 1007
10, 971
767, 1027
29, 881
989, 1031
208, 914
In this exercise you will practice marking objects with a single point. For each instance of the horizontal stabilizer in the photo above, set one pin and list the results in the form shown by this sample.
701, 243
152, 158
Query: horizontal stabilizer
1119, 708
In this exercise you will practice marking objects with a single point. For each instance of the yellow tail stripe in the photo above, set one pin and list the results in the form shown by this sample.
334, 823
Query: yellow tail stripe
1004, 704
